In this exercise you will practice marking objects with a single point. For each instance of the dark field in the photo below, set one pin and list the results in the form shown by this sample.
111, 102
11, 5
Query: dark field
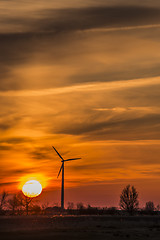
80, 227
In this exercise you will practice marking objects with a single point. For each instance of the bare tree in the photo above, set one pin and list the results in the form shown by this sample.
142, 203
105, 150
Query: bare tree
24, 201
89, 206
158, 207
80, 206
36, 209
44, 206
3, 200
129, 199
70, 205
27, 201
13, 203
149, 206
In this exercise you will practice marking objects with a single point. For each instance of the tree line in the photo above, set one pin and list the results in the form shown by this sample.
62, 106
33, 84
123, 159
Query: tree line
18, 204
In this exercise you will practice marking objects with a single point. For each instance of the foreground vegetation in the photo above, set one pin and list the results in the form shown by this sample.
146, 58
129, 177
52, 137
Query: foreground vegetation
18, 204
79, 227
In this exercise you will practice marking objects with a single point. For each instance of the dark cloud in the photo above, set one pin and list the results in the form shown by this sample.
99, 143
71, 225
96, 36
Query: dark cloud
16, 173
4, 126
146, 127
73, 19
88, 18
98, 166
21, 171
49, 32
7, 184
5, 148
133, 72
8, 123
39, 155
151, 173
16, 140
143, 96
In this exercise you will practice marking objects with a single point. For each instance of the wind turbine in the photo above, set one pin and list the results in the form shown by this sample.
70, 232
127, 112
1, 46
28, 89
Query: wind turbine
62, 169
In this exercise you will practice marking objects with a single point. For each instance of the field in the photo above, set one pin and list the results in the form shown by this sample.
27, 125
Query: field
79, 227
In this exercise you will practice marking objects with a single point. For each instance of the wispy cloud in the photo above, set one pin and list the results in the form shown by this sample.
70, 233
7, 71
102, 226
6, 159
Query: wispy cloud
84, 88
143, 110
123, 28
81, 18
84, 76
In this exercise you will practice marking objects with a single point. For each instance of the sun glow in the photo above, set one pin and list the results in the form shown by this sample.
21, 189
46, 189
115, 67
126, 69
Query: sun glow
32, 188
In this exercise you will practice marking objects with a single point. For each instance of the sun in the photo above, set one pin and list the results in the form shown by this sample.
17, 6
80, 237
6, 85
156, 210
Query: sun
32, 188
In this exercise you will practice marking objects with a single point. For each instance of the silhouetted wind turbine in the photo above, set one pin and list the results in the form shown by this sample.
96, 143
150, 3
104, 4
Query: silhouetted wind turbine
62, 169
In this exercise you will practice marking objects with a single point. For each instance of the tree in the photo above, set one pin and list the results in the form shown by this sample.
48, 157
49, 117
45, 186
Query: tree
158, 207
70, 205
44, 207
129, 199
80, 206
150, 207
24, 201
112, 210
36, 209
89, 206
27, 201
3, 201
13, 203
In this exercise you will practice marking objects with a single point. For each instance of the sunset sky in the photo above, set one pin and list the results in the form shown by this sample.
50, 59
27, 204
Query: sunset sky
83, 76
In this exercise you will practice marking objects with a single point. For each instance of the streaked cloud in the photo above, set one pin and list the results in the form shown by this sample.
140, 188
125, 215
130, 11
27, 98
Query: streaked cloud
84, 88
84, 77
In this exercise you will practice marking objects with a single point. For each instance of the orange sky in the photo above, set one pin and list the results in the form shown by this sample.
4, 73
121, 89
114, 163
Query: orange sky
84, 77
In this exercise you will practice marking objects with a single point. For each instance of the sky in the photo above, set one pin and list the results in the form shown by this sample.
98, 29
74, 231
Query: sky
83, 76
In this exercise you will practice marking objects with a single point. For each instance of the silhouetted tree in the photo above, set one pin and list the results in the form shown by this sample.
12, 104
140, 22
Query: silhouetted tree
13, 203
36, 209
24, 201
27, 202
89, 206
44, 207
112, 210
158, 207
80, 206
129, 199
149, 207
2, 201
70, 205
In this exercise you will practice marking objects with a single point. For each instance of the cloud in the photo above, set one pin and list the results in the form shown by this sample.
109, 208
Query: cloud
8, 122
4, 126
134, 83
135, 128
7, 184
87, 18
73, 19
40, 154
5, 148
109, 75
16, 140
82, 78
44, 44
143, 110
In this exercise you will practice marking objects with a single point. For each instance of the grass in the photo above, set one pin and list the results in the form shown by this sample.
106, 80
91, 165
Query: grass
80, 227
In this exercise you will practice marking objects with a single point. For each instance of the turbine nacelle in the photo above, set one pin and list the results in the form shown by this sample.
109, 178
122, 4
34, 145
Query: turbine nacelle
72, 159
63, 160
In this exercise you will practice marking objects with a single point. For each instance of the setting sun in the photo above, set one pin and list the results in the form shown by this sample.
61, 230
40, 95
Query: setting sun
32, 188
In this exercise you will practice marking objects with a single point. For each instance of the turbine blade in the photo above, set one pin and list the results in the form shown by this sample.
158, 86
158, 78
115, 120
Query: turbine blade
58, 153
60, 171
71, 159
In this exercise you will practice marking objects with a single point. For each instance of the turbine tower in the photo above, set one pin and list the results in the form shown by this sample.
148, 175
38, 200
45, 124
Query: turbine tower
62, 169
